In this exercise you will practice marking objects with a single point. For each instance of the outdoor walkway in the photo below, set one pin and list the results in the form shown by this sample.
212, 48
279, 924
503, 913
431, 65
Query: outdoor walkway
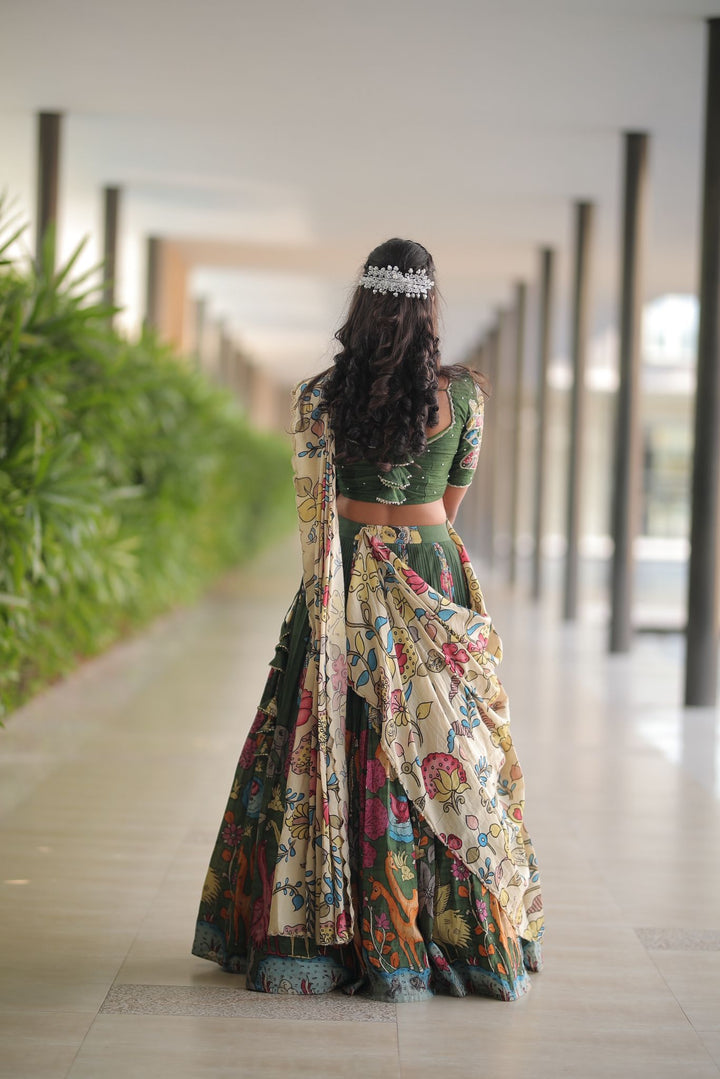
112, 786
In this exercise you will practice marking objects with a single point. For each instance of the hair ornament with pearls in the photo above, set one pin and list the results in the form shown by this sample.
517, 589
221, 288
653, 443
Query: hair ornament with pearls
390, 279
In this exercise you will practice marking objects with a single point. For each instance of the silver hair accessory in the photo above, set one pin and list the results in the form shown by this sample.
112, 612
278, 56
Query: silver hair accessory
391, 279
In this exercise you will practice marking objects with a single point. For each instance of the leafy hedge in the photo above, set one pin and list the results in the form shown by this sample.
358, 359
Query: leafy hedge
127, 480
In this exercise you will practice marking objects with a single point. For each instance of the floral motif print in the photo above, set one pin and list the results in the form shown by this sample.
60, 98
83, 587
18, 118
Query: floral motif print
318, 859
447, 586
449, 742
455, 657
442, 774
468, 451
472, 436
374, 835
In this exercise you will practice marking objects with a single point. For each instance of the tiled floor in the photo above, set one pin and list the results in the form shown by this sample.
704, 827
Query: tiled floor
111, 791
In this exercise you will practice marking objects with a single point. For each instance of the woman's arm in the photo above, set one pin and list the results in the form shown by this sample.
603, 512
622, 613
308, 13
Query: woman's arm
451, 500
462, 469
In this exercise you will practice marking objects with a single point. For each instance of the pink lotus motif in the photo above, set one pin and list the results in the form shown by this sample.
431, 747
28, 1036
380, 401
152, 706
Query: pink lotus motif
438, 770
305, 708
455, 657
417, 584
379, 549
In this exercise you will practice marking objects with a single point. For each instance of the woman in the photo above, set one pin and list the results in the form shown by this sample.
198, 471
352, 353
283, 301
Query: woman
374, 835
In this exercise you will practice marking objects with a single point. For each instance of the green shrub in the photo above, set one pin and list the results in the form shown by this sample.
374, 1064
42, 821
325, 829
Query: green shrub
128, 481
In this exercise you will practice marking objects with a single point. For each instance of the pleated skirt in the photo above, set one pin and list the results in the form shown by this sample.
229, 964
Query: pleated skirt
424, 923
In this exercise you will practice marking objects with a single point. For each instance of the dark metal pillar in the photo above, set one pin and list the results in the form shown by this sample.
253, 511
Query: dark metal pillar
503, 438
236, 372
701, 661
47, 176
627, 466
547, 273
490, 427
471, 522
111, 197
515, 443
200, 313
152, 295
243, 379
225, 356
583, 231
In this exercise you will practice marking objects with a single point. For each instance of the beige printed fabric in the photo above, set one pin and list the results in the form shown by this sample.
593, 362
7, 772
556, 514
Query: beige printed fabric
311, 887
428, 671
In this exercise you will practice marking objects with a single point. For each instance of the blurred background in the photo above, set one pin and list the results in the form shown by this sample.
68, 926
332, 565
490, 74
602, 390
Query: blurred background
188, 191
233, 164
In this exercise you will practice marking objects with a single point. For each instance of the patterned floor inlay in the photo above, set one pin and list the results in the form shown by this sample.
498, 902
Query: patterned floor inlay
214, 1000
681, 940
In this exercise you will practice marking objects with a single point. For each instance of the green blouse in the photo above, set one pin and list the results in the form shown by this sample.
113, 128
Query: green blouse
449, 460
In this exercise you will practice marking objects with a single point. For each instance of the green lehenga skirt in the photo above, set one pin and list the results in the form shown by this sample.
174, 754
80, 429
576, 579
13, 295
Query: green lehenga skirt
424, 923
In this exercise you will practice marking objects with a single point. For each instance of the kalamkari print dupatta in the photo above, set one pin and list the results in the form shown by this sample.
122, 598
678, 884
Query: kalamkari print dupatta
427, 669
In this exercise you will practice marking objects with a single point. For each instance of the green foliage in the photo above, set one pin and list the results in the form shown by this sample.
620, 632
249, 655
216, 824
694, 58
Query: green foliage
127, 480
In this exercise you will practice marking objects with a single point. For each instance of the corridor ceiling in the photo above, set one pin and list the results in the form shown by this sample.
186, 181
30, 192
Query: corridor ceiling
280, 141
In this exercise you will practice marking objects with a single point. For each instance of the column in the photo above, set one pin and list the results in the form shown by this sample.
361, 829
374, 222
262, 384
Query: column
488, 451
701, 660
515, 441
627, 473
579, 330
225, 358
111, 199
152, 291
547, 275
470, 521
199, 317
48, 165
242, 379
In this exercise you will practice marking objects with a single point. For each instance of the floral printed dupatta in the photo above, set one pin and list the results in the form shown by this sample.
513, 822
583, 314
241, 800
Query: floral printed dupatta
311, 889
427, 669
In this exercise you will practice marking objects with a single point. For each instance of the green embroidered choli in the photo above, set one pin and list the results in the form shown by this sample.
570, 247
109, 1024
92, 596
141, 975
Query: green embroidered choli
450, 458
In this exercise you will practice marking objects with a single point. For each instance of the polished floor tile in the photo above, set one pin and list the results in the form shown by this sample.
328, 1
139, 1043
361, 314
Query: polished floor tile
193, 1047
712, 1044
112, 786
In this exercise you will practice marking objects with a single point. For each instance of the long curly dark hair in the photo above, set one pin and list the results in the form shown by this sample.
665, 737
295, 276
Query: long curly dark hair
381, 393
